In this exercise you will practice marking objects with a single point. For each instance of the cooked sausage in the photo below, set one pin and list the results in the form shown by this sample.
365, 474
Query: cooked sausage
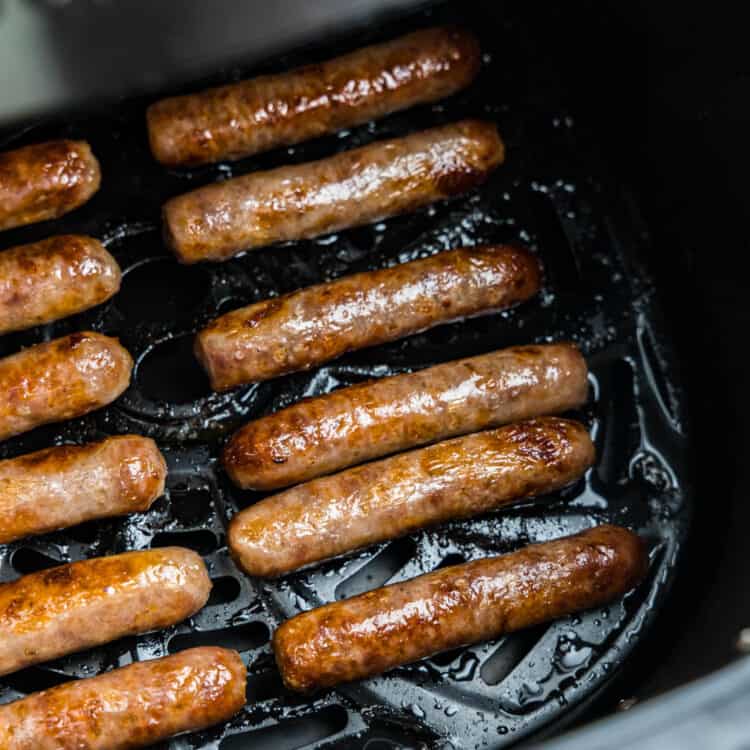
45, 181
77, 606
54, 278
61, 379
462, 477
314, 325
321, 435
63, 486
131, 707
259, 114
457, 606
346, 190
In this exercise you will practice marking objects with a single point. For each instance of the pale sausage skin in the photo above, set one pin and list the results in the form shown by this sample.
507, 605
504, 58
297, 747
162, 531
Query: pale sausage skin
131, 707
84, 604
45, 180
62, 379
245, 118
457, 606
386, 499
349, 189
314, 325
54, 278
352, 425
63, 486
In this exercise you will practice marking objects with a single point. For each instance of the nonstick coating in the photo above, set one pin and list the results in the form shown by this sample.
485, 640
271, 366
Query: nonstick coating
553, 195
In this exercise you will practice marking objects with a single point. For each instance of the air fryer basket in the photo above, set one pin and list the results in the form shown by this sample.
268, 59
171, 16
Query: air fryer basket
553, 195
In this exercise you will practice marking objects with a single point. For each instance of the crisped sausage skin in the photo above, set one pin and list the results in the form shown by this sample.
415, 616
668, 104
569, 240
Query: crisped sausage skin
131, 707
314, 325
51, 279
62, 486
457, 606
349, 189
321, 435
45, 180
245, 118
76, 606
62, 379
386, 499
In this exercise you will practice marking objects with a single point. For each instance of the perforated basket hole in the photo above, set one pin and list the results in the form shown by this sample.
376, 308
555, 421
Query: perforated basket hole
246, 637
202, 541
290, 734
168, 372
225, 590
377, 571
28, 560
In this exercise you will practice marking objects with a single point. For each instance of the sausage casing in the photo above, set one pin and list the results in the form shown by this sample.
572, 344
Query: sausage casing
457, 606
321, 435
131, 707
54, 278
346, 190
60, 487
45, 180
77, 606
458, 478
314, 325
61, 379
262, 113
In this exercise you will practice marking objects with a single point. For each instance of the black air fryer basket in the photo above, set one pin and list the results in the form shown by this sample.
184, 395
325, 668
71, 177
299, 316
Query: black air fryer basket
559, 193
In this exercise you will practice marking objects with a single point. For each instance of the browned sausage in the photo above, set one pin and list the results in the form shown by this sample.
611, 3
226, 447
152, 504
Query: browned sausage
346, 190
54, 278
45, 181
457, 606
84, 604
245, 118
131, 707
314, 325
320, 435
62, 379
60, 487
462, 477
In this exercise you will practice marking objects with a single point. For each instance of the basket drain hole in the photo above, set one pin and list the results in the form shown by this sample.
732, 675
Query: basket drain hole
34, 679
243, 638
378, 570
191, 508
454, 558
265, 686
204, 542
160, 290
618, 397
170, 373
225, 589
85, 533
509, 654
27, 560
293, 733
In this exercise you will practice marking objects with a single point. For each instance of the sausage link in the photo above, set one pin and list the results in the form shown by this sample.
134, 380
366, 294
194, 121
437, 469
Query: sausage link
262, 113
61, 379
60, 487
321, 435
458, 478
54, 278
314, 325
131, 707
45, 181
346, 190
457, 606
77, 606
